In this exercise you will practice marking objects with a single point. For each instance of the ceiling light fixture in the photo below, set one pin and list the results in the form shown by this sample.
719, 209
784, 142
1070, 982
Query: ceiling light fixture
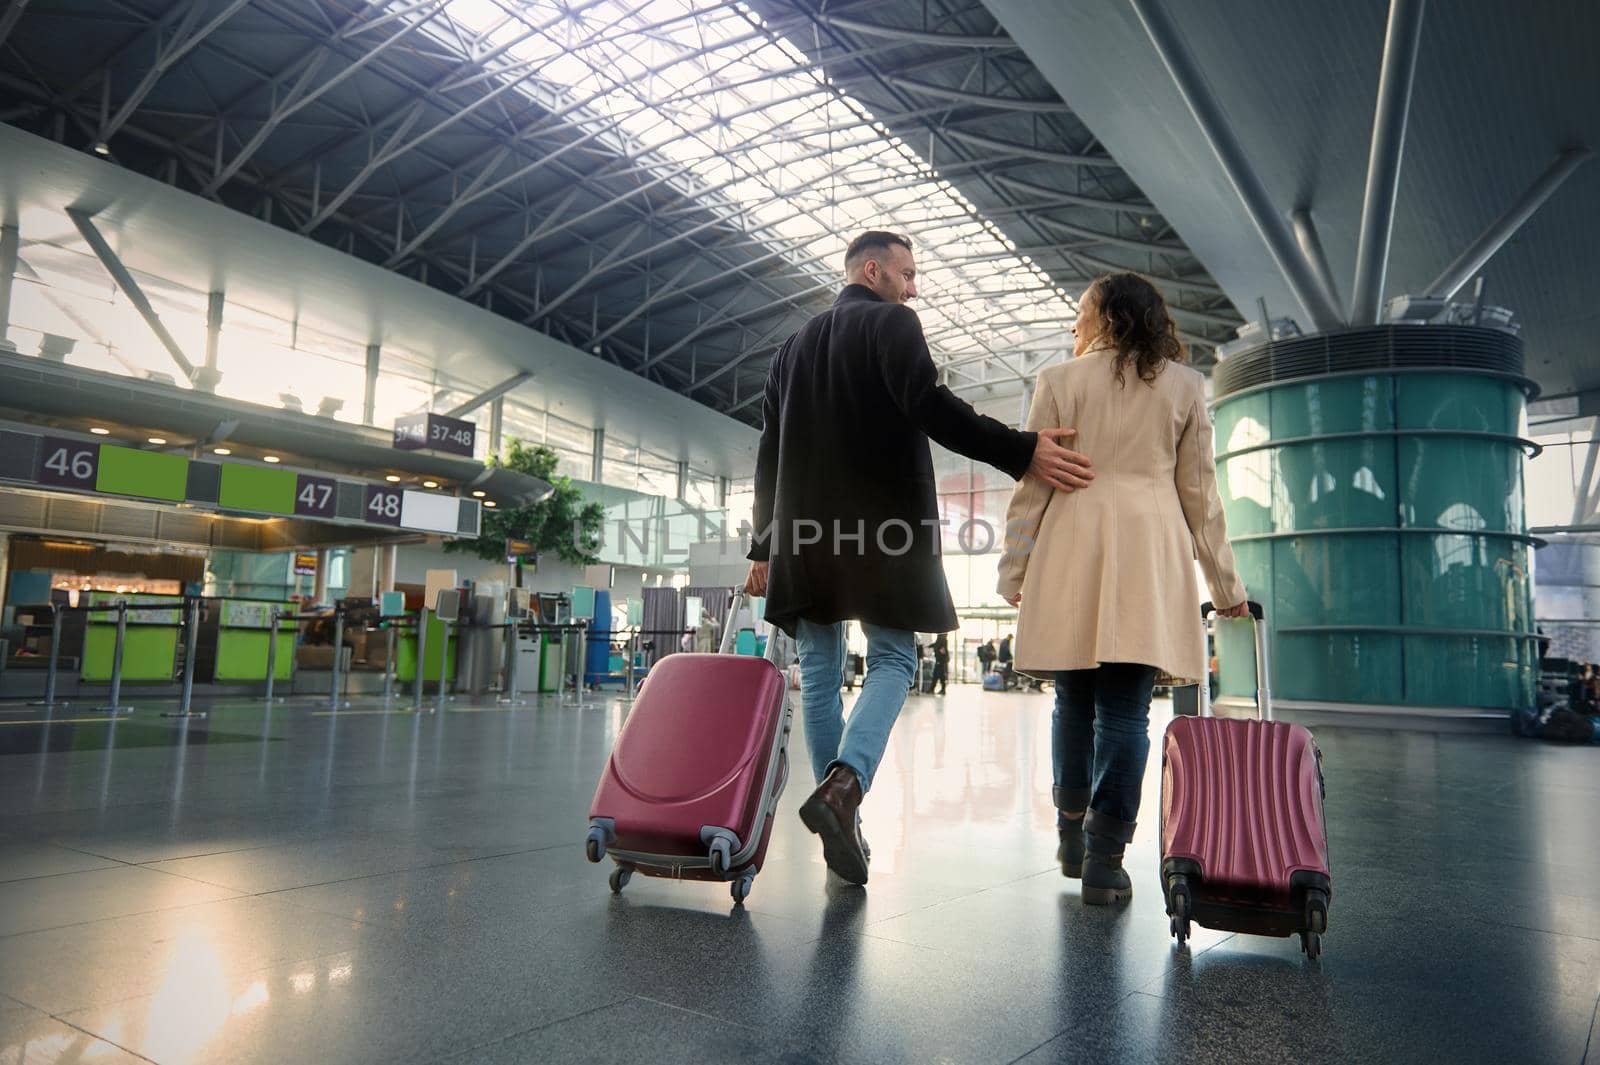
489, 503
478, 494
430, 484
393, 478
221, 451
156, 440
270, 458
98, 431
102, 148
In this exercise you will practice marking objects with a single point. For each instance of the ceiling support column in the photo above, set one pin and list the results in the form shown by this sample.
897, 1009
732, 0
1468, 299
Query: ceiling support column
208, 376
597, 466
369, 397
1400, 46
10, 243
1505, 227
1305, 234
130, 288
497, 416
1269, 223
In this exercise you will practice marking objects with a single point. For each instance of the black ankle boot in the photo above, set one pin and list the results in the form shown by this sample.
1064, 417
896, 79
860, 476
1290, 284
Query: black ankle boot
1104, 879
1069, 830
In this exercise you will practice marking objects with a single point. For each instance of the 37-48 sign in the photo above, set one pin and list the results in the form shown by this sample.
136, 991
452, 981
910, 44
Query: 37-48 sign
436, 432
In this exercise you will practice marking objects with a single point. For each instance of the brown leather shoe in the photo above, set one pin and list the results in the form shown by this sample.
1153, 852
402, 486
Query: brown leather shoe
830, 812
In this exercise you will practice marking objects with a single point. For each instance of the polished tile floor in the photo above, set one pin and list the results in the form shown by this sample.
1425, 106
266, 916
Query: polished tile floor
386, 887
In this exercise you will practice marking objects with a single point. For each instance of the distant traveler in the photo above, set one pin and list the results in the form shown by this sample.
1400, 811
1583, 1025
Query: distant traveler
941, 663
1005, 649
1106, 579
985, 655
847, 521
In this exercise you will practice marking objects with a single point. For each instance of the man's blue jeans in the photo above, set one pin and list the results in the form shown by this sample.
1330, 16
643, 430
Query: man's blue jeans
891, 663
1101, 735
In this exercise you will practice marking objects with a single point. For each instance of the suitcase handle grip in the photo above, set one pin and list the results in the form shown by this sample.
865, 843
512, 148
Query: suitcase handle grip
1263, 661
741, 598
1255, 609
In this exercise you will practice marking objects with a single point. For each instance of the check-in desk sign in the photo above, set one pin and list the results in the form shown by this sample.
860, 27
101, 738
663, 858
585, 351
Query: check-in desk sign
435, 432
95, 468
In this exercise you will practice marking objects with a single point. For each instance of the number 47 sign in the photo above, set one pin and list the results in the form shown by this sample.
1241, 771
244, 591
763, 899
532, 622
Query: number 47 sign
315, 497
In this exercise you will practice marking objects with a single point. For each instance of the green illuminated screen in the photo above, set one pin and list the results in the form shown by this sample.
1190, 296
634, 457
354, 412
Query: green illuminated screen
128, 472
256, 488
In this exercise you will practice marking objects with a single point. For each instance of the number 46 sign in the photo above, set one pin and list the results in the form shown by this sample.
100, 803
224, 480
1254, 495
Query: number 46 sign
69, 463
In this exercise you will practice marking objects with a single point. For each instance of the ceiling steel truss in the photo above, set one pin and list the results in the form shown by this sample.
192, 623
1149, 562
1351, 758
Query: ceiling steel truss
664, 183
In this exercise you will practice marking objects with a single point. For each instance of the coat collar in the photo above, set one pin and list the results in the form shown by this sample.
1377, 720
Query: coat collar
857, 292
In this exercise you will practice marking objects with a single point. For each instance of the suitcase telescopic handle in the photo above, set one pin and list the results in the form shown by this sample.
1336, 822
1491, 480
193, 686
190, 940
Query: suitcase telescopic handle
741, 598
1263, 660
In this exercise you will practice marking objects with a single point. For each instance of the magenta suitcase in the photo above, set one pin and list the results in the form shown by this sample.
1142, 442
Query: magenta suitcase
694, 778
1243, 844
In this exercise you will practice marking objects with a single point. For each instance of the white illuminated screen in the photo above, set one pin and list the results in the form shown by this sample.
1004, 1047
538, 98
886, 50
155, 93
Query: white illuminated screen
429, 510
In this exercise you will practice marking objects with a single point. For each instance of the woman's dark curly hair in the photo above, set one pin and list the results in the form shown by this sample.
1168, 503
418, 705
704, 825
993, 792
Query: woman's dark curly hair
1134, 320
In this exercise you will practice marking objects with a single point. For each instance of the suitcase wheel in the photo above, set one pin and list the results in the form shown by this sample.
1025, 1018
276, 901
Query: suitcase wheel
619, 878
595, 845
1178, 906
1311, 944
740, 889
721, 855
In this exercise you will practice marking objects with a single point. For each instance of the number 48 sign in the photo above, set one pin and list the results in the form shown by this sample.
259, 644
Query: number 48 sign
383, 505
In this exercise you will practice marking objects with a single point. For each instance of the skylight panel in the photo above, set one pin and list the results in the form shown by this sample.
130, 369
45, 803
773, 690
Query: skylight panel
701, 98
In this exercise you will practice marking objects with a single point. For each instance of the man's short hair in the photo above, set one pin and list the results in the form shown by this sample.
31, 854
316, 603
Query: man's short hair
870, 242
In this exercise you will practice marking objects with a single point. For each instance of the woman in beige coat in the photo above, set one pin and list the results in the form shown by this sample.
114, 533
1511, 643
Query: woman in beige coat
1105, 576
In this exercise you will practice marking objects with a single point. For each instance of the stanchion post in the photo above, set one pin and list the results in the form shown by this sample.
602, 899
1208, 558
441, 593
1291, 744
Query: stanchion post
338, 657
191, 640
633, 658
444, 663
272, 654
389, 664
422, 649
561, 674
115, 706
509, 694
49, 699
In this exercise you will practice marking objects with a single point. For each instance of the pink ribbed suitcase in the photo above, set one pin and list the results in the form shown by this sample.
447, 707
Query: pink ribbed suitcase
693, 781
1243, 844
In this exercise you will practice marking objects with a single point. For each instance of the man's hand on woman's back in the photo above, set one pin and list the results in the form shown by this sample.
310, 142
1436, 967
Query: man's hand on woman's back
1057, 466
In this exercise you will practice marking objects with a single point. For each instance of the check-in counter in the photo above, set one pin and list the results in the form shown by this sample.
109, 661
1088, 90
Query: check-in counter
150, 647
244, 631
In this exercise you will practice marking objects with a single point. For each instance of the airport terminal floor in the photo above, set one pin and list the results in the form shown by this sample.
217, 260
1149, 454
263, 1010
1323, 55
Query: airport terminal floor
372, 886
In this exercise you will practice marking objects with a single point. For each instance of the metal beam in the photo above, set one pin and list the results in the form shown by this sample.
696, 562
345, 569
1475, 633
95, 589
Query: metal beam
1502, 229
10, 243
722, 321
1584, 498
1305, 234
8, 21
895, 33
1400, 46
182, 44
1028, 151
980, 99
1030, 188
130, 288
369, 394
489, 394
1208, 114
594, 271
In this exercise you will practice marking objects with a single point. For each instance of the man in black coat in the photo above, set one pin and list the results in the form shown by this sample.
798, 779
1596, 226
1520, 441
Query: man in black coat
847, 519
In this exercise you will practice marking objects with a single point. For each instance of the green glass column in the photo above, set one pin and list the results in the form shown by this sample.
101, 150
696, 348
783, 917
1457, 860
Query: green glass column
1372, 481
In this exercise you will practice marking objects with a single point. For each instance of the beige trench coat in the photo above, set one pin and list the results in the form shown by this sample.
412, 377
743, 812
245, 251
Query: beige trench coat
1107, 572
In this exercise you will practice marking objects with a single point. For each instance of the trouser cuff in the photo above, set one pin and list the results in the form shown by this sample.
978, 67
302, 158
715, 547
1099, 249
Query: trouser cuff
1107, 835
1070, 800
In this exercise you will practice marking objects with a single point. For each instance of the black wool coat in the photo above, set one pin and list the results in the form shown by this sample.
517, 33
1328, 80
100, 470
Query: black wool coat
846, 511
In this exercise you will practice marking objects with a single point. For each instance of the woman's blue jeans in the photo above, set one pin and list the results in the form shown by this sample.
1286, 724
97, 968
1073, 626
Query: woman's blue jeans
1101, 737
